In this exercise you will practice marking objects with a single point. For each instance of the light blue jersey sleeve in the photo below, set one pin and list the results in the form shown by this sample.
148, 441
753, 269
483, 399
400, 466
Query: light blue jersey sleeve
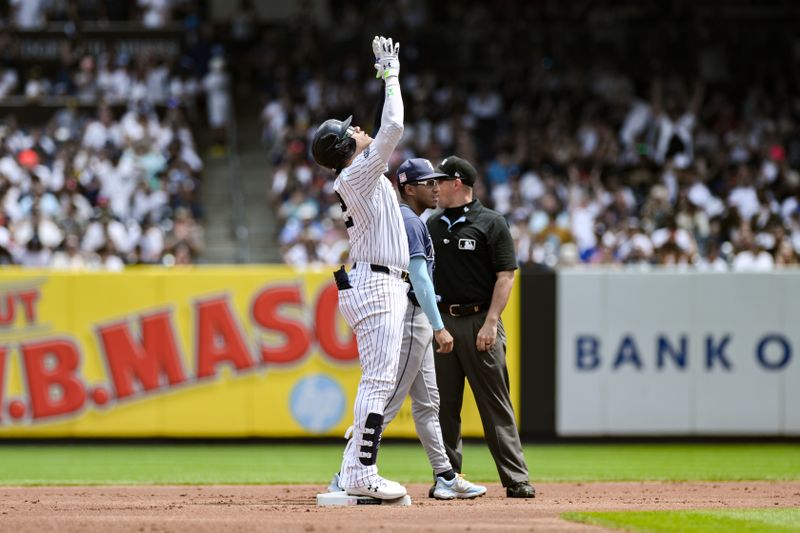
423, 290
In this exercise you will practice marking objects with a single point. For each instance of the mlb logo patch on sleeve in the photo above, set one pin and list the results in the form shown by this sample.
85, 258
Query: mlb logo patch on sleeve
466, 244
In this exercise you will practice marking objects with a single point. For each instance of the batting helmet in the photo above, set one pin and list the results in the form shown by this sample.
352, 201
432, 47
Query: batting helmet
332, 145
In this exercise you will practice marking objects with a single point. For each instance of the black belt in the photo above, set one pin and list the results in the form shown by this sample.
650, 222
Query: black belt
413, 299
386, 270
463, 309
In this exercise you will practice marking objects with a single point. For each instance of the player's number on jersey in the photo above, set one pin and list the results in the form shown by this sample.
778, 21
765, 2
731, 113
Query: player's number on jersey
348, 222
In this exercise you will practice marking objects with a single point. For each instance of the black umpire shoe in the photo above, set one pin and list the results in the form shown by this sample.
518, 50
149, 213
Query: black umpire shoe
523, 489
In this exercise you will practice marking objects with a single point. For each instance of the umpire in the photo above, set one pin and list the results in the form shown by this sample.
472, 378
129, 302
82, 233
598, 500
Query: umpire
474, 274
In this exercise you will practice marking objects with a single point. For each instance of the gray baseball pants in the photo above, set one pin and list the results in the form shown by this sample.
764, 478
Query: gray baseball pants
416, 376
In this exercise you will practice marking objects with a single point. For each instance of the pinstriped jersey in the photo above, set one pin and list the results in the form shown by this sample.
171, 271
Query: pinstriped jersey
369, 204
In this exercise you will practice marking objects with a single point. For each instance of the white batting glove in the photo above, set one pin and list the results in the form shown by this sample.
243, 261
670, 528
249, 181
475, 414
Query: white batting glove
376, 48
378, 52
386, 57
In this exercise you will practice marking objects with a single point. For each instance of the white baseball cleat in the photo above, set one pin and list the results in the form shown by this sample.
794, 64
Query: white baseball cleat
458, 487
379, 488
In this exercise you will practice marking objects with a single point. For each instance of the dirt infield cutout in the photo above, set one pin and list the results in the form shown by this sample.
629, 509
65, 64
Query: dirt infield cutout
289, 508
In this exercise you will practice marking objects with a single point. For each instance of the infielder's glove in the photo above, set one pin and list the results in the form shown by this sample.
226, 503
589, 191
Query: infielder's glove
386, 57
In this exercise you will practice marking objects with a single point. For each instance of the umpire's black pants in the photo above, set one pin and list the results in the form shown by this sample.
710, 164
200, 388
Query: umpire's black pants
488, 377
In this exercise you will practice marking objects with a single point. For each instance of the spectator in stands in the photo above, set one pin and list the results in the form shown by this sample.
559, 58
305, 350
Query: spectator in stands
185, 240
675, 123
69, 256
29, 14
218, 103
37, 86
751, 257
40, 227
712, 260
84, 81
6, 257
155, 13
34, 254
786, 255
183, 84
8, 79
103, 132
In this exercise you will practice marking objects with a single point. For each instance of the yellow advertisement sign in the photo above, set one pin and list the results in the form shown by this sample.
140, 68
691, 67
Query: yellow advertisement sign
200, 352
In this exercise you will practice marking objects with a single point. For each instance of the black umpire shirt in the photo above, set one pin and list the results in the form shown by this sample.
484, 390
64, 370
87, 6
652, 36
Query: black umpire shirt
472, 243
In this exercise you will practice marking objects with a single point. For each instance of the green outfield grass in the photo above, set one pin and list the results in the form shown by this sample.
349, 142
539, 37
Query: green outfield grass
722, 520
50, 464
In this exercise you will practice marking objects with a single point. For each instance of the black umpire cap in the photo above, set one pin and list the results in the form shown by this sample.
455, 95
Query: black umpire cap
455, 167
333, 145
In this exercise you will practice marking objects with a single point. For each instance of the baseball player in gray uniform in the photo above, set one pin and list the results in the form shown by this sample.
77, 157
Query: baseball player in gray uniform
416, 374
372, 296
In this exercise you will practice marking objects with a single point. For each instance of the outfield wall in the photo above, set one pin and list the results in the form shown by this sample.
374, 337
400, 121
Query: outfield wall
263, 352
185, 352
668, 353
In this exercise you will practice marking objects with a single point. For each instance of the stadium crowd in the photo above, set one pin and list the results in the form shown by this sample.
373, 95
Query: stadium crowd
112, 177
99, 193
35, 14
596, 151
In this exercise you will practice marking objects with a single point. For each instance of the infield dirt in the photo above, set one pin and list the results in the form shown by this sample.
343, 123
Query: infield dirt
290, 508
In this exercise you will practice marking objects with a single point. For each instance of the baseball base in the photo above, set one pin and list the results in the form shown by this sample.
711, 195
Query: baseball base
342, 499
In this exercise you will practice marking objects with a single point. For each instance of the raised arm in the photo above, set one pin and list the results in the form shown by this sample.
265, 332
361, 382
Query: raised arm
387, 67
376, 124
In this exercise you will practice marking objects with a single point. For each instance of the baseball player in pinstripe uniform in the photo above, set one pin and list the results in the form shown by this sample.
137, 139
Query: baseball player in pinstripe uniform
416, 374
372, 296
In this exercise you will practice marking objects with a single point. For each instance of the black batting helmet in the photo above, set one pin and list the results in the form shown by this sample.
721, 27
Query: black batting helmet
332, 146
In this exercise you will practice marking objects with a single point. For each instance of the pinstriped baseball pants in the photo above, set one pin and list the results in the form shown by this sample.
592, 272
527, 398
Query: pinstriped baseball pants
374, 308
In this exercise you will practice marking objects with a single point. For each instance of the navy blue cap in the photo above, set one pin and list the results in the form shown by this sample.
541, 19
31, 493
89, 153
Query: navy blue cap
417, 169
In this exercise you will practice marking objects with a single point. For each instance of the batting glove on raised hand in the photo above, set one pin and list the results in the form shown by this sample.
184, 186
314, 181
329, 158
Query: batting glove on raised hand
377, 50
386, 57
